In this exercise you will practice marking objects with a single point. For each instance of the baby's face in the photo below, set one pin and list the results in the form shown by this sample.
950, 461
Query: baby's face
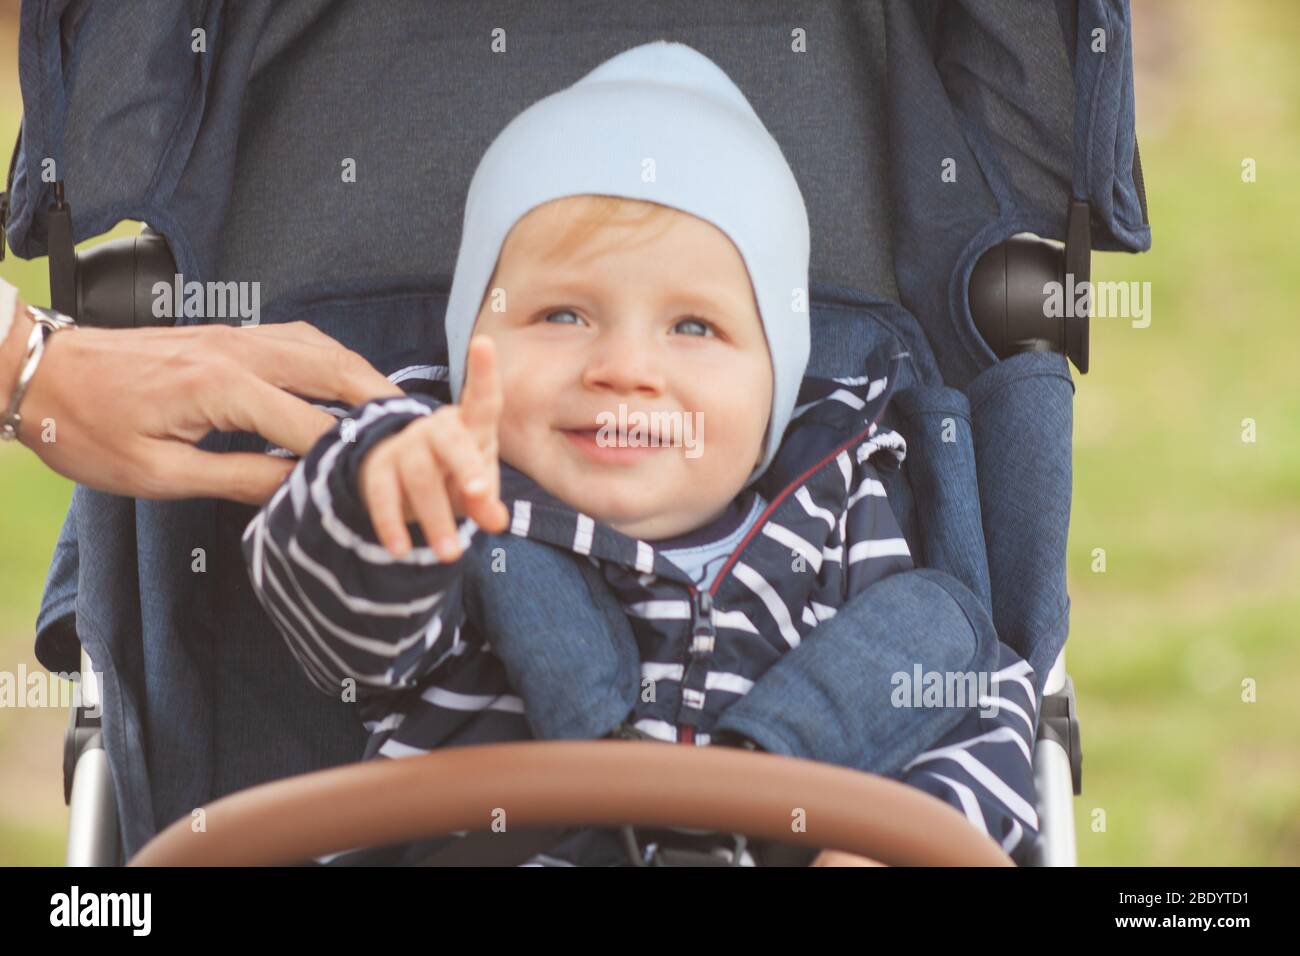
654, 319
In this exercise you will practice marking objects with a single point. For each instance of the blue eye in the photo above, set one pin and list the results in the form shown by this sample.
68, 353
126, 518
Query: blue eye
547, 317
704, 327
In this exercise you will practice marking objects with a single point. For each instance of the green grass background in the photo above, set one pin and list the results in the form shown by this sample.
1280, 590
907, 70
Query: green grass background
1201, 530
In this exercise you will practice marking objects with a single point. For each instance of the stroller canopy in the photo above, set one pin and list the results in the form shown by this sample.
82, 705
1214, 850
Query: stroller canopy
232, 141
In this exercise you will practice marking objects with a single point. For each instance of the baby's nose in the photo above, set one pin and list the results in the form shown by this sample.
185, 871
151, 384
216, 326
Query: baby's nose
624, 368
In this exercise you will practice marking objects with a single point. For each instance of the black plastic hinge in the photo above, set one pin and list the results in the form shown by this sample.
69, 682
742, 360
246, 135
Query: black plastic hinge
1059, 721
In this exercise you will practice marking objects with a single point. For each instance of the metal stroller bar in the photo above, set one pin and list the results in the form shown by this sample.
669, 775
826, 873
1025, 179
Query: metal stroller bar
88, 780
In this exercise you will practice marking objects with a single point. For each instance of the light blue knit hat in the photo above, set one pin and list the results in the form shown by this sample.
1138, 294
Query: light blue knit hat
713, 159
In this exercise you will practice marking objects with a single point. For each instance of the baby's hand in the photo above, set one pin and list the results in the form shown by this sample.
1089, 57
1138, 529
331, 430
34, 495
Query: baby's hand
441, 464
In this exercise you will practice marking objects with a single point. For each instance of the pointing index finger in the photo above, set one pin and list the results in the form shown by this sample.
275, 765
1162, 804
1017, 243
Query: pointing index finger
481, 399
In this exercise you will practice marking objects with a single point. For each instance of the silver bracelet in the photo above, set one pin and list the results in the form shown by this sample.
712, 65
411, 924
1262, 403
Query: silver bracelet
46, 324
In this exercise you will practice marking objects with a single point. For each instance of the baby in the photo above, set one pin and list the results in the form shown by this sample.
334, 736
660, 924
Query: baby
635, 250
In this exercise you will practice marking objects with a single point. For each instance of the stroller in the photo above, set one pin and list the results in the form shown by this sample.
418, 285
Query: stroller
311, 147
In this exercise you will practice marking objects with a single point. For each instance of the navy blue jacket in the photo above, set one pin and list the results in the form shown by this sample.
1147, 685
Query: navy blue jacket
400, 636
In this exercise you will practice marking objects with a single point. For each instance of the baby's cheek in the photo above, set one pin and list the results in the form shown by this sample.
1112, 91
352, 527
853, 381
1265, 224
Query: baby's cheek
512, 441
746, 427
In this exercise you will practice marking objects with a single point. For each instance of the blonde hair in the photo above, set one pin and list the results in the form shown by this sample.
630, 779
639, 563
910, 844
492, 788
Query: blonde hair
589, 213
586, 214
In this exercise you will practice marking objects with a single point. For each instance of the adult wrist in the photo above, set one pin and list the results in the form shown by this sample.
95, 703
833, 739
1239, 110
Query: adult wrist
41, 326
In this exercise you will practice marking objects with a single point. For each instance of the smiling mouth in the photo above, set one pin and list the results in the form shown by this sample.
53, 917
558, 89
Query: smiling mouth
617, 452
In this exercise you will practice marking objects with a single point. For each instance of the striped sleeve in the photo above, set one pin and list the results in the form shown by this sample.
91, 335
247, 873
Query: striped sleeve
874, 546
984, 766
347, 608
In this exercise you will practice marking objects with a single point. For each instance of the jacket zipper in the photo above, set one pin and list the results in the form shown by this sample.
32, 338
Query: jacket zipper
702, 601
702, 627
703, 635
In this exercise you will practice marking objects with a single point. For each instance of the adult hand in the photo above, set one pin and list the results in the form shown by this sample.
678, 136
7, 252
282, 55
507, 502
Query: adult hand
119, 410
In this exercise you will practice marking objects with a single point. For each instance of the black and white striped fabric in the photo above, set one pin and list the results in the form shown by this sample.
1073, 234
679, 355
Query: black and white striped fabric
424, 676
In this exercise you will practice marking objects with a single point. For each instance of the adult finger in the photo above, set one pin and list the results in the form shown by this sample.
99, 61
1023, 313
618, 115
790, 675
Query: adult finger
302, 359
253, 405
183, 471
